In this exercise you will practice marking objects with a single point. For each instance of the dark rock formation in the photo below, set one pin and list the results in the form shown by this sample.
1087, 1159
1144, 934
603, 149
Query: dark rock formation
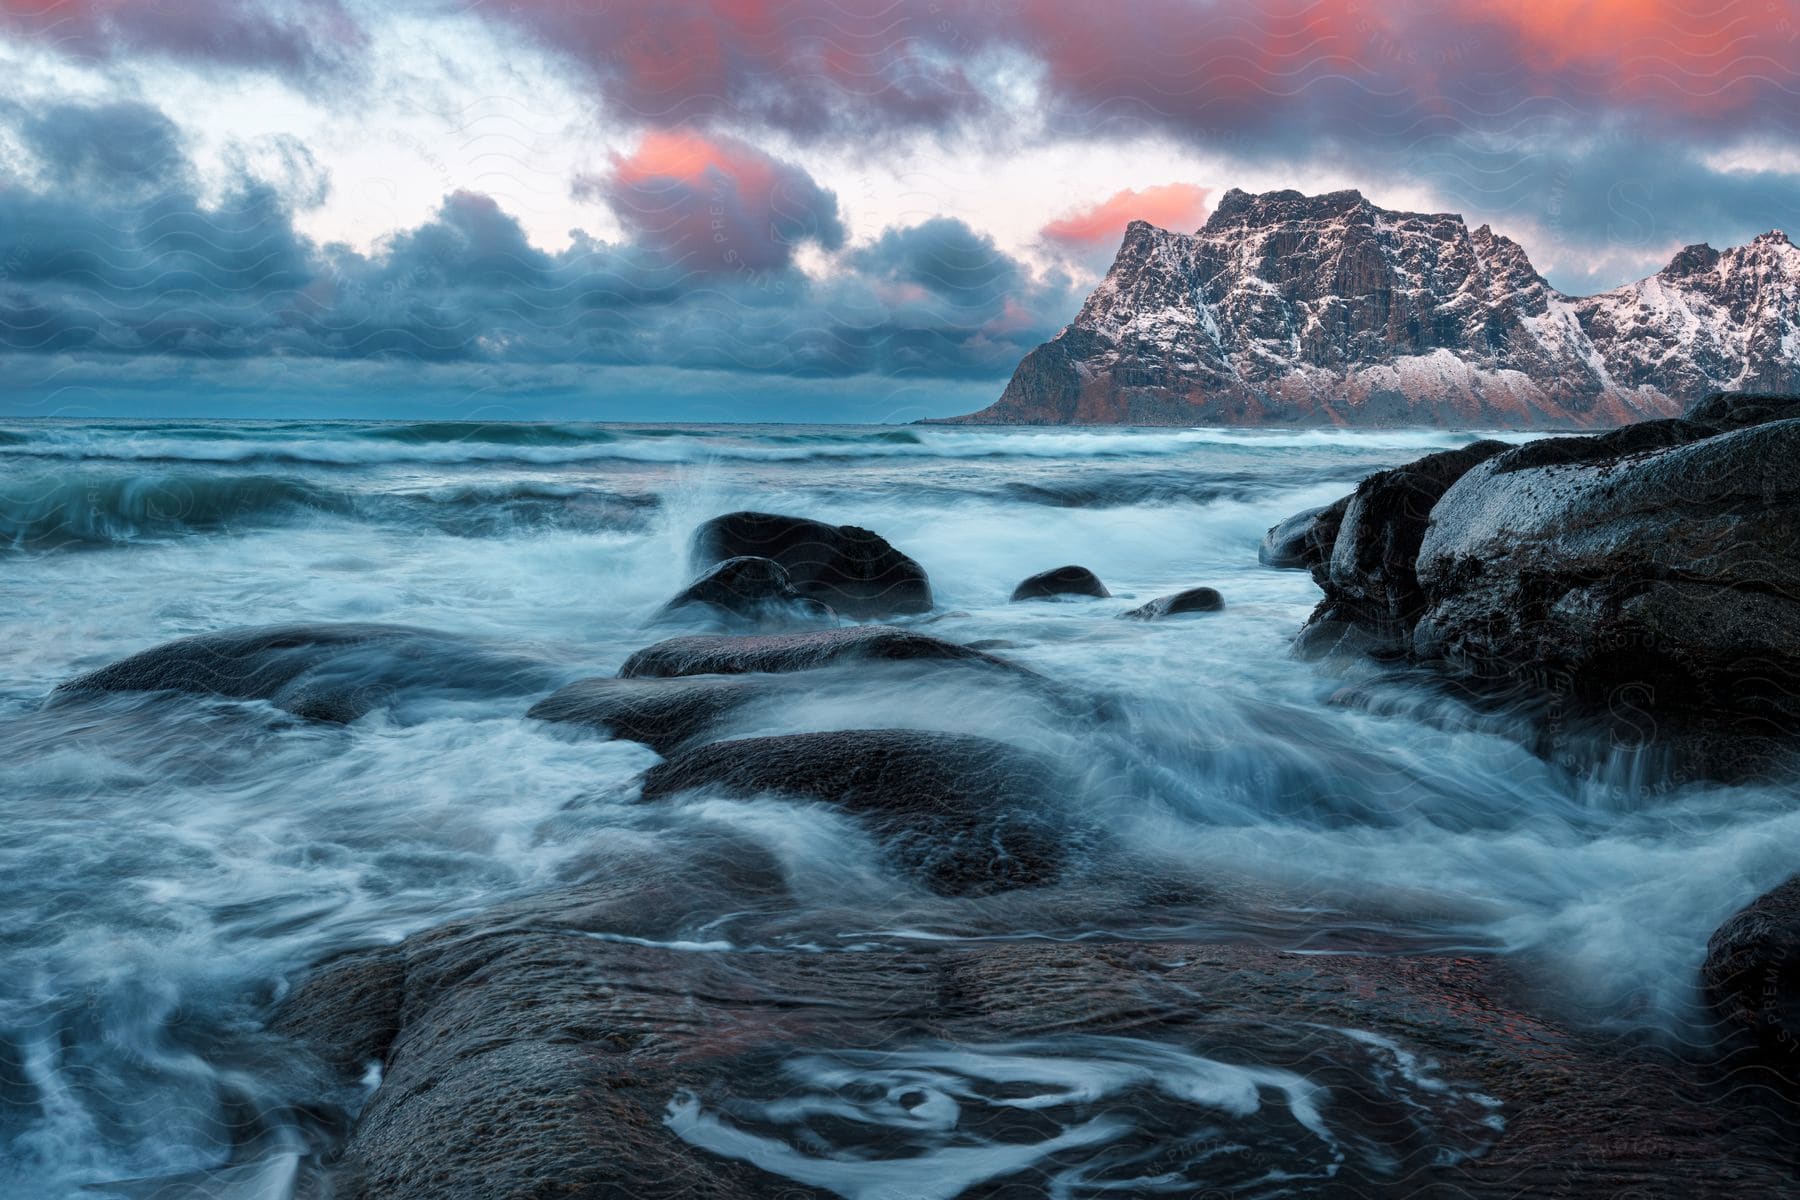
1327, 310
1063, 581
320, 672
752, 588
855, 572
1372, 595
1194, 600
1636, 590
1655, 594
1303, 541
967, 812
661, 713
1752, 976
724, 655
530, 1057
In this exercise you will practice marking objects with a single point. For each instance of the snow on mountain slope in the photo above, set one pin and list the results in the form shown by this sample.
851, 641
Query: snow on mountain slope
1327, 310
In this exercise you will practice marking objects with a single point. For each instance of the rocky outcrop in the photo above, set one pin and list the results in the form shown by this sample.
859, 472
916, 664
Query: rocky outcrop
1193, 600
1287, 309
852, 570
331, 673
1641, 589
750, 588
1061, 581
966, 813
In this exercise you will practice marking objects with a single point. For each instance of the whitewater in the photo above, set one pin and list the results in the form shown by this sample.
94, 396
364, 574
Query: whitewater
170, 866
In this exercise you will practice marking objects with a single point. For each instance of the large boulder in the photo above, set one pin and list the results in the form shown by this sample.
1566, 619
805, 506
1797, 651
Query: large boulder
1752, 977
726, 655
1061, 581
1651, 592
970, 814
854, 571
320, 672
1372, 595
1193, 600
750, 588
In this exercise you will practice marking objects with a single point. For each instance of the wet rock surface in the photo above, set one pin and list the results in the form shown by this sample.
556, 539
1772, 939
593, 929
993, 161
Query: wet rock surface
970, 814
571, 1043
1752, 979
853, 570
1062, 581
1193, 600
725, 655
751, 588
1303, 542
1372, 595
661, 713
333, 673
1637, 591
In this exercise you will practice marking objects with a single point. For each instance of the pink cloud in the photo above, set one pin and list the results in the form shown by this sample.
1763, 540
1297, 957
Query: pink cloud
1170, 205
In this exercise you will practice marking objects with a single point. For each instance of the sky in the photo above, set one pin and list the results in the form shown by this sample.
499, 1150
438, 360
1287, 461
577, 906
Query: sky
810, 210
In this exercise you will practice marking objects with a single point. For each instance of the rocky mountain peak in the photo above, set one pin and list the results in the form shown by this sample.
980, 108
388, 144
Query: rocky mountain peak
1330, 310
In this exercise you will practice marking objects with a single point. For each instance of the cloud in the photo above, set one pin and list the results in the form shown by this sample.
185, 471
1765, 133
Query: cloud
299, 39
154, 272
1179, 206
714, 204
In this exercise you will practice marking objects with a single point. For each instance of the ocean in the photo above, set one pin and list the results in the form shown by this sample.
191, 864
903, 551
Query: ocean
170, 865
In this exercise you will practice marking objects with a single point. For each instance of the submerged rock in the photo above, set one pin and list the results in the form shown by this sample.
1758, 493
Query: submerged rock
1303, 542
1063, 581
320, 672
726, 655
971, 814
661, 713
1752, 977
752, 588
1194, 600
854, 571
1372, 595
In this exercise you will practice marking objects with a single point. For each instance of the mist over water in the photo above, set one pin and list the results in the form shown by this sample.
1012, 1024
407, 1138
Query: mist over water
172, 864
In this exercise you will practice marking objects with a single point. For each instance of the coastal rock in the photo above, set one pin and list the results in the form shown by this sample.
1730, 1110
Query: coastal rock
852, 570
1303, 541
966, 812
1653, 593
1637, 591
1328, 310
1194, 600
661, 713
333, 673
570, 1039
1372, 596
727, 655
1752, 976
751, 588
1062, 581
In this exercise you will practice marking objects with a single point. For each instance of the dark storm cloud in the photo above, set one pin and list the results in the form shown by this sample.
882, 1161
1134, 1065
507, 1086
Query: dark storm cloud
115, 253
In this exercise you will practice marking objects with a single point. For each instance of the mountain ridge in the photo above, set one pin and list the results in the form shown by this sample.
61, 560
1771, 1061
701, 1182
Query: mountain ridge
1292, 310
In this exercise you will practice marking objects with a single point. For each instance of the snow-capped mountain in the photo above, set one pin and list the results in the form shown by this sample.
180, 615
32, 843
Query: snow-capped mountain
1326, 310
